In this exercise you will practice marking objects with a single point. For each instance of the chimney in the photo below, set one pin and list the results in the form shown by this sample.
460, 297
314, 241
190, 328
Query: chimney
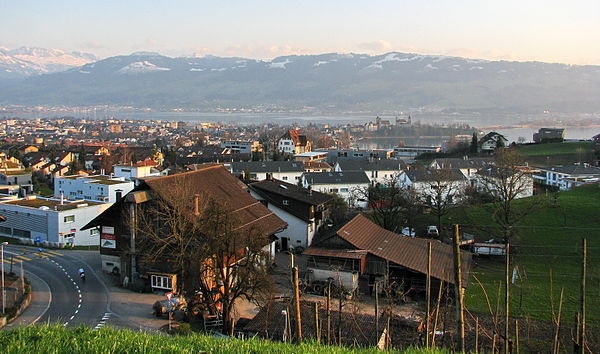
309, 190
196, 205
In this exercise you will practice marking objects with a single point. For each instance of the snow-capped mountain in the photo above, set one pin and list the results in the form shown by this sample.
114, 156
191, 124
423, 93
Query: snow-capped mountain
398, 81
28, 61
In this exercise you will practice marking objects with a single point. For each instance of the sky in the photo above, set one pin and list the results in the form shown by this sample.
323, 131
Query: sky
522, 30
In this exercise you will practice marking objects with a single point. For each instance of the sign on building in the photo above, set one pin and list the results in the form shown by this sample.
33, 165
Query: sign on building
108, 238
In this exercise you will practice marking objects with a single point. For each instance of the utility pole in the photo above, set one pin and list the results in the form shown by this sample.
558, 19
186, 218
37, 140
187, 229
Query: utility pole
2, 262
460, 316
428, 295
376, 309
297, 305
581, 336
317, 325
507, 301
328, 313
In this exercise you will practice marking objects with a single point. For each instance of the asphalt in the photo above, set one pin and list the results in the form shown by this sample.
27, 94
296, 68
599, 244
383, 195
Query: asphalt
59, 295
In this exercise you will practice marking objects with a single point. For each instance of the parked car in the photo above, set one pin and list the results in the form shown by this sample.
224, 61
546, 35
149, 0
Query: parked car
432, 231
406, 231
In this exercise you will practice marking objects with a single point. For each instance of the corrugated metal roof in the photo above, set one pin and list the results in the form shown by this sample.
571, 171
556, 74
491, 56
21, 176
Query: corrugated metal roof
326, 252
405, 251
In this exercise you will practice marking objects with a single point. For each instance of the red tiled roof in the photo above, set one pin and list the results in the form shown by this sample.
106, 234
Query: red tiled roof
408, 252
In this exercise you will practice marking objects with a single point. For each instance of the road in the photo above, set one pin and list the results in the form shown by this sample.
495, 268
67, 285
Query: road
59, 296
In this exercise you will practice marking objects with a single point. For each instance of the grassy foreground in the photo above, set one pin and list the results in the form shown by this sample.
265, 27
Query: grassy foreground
56, 339
547, 258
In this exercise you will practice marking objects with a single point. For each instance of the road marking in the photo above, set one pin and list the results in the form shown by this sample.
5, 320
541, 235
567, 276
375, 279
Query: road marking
7, 261
103, 321
54, 253
72, 317
76, 311
23, 258
78, 306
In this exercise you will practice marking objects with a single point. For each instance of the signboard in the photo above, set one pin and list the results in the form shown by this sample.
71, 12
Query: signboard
38, 239
108, 240
108, 230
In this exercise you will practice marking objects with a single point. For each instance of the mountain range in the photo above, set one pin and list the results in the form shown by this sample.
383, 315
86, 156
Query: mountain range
331, 82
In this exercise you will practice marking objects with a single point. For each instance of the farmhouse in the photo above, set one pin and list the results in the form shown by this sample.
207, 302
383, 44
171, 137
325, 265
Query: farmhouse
118, 239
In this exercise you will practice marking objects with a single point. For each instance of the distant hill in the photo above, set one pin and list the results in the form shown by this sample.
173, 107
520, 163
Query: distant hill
396, 81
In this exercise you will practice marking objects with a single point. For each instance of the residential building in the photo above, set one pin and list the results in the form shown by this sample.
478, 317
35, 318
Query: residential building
302, 209
546, 135
345, 184
287, 171
311, 156
410, 152
427, 181
212, 182
99, 188
468, 166
50, 220
490, 142
135, 171
518, 183
292, 142
378, 171
567, 177
20, 177
244, 147
347, 154
317, 166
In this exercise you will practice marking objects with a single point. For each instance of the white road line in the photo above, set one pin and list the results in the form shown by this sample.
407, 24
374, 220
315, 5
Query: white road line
78, 306
76, 311
71, 317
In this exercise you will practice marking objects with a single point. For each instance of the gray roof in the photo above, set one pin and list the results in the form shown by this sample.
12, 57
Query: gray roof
429, 175
354, 177
375, 165
574, 170
291, 191
267, 166
453, 162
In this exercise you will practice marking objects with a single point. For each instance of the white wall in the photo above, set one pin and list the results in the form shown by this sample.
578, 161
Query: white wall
81, 188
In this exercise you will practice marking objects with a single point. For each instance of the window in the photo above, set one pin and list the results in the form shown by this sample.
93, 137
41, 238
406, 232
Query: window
343, 190
286, 202
5, 230
161, 282
285, 178
333, 190
21, 233
69, 235
94, 232
69, 218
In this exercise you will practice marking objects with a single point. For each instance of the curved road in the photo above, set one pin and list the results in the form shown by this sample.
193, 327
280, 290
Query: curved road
59, 294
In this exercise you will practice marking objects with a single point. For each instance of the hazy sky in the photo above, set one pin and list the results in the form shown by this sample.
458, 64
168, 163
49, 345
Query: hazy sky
556, 31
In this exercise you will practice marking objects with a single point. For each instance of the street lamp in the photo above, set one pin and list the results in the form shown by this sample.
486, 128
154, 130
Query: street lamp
2, 262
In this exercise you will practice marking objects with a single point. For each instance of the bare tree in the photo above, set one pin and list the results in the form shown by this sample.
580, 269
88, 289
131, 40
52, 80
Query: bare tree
509, 179
216, 260
392, 205
443, 190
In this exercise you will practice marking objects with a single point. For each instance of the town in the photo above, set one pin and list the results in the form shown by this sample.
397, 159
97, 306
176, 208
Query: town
296, 232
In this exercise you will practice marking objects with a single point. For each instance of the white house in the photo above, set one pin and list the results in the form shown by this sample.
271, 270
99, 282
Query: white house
425, 181
50, 220
378, 171
287, 171
410, 152
302, 209
292, 142
345, 184
567, 177
468, 166
99, 188
135, 171
491, 141
513, 183
240, 146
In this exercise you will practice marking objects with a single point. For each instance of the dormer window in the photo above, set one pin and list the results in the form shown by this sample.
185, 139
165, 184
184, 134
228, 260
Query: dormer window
286, 202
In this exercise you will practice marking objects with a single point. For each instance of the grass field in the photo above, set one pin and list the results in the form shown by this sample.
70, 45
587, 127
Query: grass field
56, 339
556, 148
549, 240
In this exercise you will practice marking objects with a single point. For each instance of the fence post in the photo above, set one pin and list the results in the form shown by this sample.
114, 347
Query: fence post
428, 295
581, 344
297, 305
460, 316
507, 301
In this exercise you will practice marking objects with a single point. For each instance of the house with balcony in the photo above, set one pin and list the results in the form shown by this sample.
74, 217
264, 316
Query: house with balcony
345, 184
100, 188
567, 177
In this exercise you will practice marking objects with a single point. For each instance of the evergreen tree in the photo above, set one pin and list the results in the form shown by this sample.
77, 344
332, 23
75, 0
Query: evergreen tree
473, 148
